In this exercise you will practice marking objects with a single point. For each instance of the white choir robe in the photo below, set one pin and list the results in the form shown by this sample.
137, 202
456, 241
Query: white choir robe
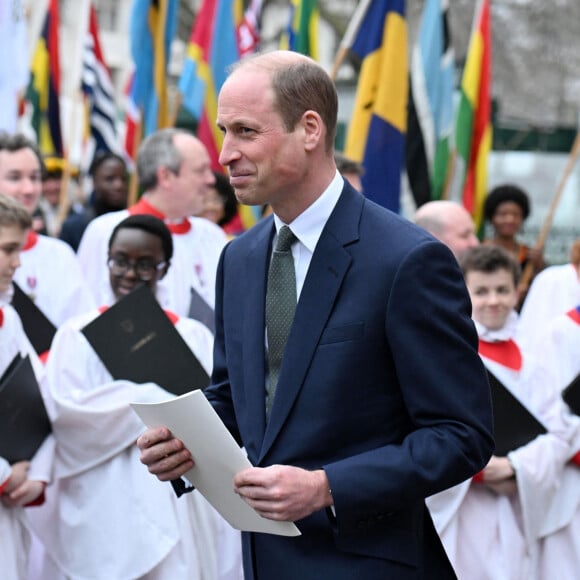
558, 365
194, 264
553, 292
496, 537
106, 517
50, 273
14, 536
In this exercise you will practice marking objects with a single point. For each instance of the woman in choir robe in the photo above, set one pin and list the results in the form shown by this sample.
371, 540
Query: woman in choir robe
22, 483
105, 517
492, 525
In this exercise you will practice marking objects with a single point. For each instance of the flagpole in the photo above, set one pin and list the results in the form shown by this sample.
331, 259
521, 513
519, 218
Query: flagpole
546, 226
63, 200
133, 180
349, 36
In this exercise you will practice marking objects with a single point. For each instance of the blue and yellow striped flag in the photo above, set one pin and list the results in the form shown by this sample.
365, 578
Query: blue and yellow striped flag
376, 134
153, 26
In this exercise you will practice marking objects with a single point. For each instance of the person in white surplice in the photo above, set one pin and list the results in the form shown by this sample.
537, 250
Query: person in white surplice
22, 483
492, 525
105, 517
558, 354
174, 169
50, 273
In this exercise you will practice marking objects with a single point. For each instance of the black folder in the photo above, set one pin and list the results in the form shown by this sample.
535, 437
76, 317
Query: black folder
136, 341
513, 424
38, 328
200, 310
571, 395
24, 422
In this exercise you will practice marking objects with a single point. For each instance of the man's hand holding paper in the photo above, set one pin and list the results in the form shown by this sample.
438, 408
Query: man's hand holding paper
164, 455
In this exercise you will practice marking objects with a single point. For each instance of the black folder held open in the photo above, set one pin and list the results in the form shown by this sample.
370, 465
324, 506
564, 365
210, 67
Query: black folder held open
38, 328
514, 426
24, 422
571, 394
136, 341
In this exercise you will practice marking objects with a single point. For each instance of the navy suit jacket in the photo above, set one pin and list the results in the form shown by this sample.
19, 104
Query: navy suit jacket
381, 386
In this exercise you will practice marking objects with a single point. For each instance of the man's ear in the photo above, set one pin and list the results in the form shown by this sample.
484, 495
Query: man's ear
313, 129
164, 174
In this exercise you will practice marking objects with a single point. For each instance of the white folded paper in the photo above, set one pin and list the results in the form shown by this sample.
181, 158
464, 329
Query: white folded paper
217, 457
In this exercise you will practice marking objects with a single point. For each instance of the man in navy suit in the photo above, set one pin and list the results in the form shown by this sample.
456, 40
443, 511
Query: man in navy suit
382, 399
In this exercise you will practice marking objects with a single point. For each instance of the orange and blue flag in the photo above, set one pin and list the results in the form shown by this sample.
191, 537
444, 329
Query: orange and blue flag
473, 129
44, 88
377, 35
153, 26
213, 47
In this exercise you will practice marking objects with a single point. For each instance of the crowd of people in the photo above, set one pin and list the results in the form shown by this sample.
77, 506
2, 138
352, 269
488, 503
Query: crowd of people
358, 387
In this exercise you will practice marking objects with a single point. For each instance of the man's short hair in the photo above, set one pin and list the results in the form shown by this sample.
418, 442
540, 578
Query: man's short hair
14, 142
13, 213
489, 259
158, 150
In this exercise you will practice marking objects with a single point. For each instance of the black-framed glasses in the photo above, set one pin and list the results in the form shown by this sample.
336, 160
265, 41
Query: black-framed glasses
145, 270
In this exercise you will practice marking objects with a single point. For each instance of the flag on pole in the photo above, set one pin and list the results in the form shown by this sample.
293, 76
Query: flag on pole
212, 48
377, 34
15, 66
153, 26
249, 29
132, 124
473, 131
44, 88
431, 119
97, 86
302, 32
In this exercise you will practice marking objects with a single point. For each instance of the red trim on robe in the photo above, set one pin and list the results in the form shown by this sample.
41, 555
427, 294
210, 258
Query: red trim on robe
5, 485
576, 459
43, 356
574, 314
504, 352
31, 240
144, 207
1, 317
39, 500
478, 477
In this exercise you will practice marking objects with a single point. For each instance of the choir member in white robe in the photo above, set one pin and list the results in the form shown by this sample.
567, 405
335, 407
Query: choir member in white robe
174, 169
558, 365
104, 516
554, 291
492, 526
50, 273
22, 483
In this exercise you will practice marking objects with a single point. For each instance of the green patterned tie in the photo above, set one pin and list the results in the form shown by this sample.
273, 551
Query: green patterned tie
280, 307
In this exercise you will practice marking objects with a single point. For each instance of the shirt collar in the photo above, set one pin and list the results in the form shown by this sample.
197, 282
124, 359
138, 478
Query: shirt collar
507, 332
308, 226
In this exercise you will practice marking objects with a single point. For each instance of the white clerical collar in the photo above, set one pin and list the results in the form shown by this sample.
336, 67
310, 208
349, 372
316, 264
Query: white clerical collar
308, 226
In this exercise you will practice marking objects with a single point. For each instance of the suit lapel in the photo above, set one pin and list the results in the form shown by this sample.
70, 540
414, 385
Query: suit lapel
329, 265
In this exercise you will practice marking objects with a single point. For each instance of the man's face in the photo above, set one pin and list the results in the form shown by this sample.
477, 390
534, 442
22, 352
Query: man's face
190, 185
51, 190
266, 163
21, 177
459, 233
493, 296
11, 241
